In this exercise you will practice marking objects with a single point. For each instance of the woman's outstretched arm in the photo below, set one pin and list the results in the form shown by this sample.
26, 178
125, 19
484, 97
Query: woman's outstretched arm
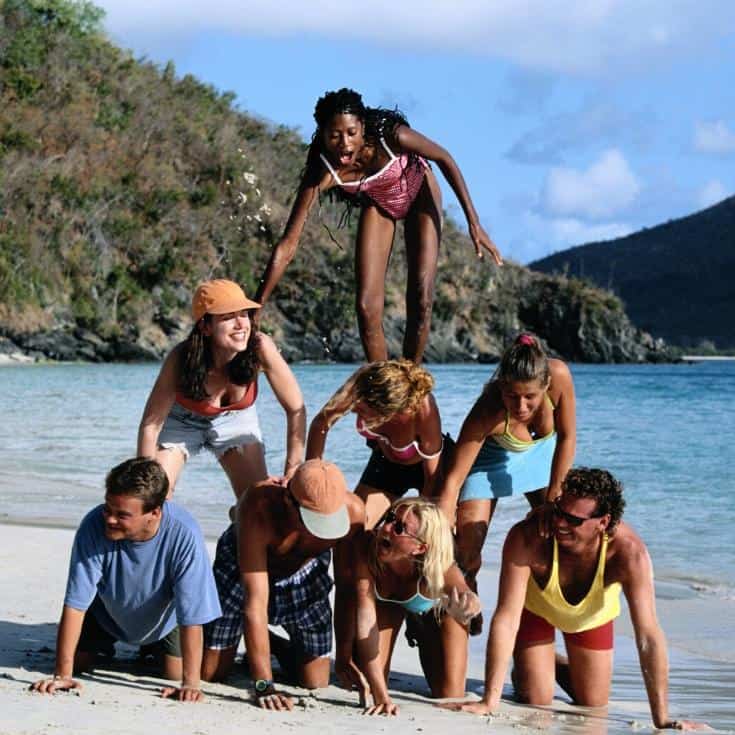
157, 408
286, 389
336, 407
565, 424
411, 141
474, 430
285, 249
368, 642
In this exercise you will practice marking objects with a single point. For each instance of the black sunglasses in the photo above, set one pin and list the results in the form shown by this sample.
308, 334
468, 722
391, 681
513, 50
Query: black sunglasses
570, 518
399, 527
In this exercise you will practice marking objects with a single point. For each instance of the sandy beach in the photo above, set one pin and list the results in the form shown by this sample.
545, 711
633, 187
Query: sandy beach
117, 700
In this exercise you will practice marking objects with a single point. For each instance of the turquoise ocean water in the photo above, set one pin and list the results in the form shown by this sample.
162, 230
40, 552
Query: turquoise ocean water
665, 430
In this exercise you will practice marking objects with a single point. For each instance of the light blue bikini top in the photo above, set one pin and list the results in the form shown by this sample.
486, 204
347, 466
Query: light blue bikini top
417, 603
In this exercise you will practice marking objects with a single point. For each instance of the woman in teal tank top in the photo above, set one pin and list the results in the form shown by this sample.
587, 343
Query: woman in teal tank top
405, 569
519, 438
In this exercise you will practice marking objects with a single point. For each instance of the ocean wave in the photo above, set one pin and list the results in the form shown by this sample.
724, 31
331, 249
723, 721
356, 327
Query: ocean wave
673, 586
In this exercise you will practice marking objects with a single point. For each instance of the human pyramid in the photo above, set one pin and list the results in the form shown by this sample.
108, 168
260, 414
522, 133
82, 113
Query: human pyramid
139, 569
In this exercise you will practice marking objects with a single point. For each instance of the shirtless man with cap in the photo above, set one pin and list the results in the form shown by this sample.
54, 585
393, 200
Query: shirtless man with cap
278, 574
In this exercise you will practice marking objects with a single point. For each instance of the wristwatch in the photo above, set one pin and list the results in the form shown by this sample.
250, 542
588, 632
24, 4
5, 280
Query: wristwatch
263, 686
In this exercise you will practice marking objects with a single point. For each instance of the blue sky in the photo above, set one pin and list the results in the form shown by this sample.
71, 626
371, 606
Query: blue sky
571, 122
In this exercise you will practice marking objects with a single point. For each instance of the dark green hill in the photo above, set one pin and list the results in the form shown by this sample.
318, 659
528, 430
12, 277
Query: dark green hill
677, 280
123, 185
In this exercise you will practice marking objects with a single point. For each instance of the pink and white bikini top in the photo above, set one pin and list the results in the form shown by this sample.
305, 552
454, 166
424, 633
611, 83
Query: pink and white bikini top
393, 188
401, 454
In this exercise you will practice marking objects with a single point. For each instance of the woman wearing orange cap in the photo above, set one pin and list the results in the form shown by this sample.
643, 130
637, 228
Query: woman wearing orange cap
205, 394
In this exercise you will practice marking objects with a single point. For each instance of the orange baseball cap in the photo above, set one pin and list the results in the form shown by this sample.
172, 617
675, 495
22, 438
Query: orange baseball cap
321, 491
219, 296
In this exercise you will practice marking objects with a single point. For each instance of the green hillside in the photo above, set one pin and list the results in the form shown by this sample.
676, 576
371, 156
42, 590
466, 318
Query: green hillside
677, 280
122, 185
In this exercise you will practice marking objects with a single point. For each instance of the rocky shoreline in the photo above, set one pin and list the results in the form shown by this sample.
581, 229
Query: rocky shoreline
71, 345
580, 342
476, 313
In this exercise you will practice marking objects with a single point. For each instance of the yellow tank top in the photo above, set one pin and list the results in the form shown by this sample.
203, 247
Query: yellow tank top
600, 605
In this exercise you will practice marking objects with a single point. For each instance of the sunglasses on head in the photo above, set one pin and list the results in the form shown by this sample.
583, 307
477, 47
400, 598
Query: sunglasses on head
399, 527
570, 518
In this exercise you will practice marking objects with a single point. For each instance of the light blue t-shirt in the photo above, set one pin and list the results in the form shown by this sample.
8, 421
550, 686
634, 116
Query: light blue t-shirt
144, 588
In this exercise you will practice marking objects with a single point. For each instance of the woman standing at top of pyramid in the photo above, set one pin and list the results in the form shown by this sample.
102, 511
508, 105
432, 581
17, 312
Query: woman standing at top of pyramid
374, 160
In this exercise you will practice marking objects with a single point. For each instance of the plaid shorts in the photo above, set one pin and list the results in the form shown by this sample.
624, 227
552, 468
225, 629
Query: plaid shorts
299, 603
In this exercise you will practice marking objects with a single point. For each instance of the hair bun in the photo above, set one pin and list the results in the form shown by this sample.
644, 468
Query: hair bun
525, 339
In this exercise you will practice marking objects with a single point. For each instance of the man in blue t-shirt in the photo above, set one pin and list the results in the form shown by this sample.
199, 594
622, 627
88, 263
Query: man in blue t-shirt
139, 573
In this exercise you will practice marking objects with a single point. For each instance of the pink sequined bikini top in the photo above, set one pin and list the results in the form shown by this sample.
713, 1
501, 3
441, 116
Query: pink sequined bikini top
393, 188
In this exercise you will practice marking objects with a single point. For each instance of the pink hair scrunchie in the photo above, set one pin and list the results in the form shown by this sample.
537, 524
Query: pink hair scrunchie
526, 339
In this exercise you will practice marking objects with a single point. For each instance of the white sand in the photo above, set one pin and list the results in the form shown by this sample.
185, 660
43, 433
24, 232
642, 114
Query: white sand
34, 563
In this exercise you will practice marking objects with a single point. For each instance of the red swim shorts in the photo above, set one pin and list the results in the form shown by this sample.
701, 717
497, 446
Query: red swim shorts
535, 629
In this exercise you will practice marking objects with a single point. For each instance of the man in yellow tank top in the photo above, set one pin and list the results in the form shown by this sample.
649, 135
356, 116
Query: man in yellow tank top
572, 581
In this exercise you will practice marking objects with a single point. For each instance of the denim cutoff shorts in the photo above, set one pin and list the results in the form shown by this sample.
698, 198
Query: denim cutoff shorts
191, 432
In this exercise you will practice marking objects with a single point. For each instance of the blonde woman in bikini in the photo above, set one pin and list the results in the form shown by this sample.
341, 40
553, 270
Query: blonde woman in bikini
398, 416
396, 413
404, 570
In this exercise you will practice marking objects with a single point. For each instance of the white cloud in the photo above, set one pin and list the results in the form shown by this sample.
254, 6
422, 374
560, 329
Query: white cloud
597, 36
544, 236
712, 192
605, 188
576, 232
714, 137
